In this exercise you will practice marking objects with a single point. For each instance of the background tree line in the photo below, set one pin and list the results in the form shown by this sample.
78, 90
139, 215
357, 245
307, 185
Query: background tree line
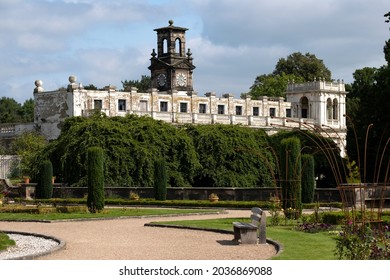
14, 112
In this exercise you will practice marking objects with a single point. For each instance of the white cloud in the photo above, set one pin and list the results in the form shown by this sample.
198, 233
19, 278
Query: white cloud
104, 42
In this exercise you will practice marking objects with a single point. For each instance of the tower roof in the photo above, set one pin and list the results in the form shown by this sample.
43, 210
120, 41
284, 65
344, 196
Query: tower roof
171, 27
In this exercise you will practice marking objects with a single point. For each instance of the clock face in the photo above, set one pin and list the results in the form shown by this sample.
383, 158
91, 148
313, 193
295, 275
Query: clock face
181, 80
161, 80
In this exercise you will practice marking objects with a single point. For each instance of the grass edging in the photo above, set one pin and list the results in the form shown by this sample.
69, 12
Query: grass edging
277, 245
118, 217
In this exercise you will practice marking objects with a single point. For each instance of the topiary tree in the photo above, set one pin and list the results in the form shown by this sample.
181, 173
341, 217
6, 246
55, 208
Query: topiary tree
160, 179
290, 176
45, 184
308, 178
95, 179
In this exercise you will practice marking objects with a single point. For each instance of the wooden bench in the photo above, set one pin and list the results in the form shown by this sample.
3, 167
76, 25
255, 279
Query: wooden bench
248, 232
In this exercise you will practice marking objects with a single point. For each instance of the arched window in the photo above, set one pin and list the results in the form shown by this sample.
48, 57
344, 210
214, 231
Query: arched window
165, 46
335, 109
304, 107
329, 109
178, 46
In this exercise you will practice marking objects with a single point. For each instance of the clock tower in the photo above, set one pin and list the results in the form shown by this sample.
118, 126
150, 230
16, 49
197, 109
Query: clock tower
171, 67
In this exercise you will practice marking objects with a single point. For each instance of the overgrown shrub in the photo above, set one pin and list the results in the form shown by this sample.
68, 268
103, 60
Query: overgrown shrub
160, 179
45, 184
290, 177
130, 144
95, 199
357, 242
232, 156
308, 179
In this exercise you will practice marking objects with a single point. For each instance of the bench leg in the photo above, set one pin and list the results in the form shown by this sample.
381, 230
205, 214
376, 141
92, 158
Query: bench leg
237, 235
248, 236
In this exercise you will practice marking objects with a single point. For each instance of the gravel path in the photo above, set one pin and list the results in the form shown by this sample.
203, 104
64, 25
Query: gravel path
124, 239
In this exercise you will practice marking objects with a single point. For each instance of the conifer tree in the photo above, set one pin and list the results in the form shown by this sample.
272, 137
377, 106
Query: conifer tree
95, 178
308, 178
160, 179
45, 185
290, 169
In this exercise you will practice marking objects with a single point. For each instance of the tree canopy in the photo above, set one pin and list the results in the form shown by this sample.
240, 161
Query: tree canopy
232, 156
306, 66
130, 144
13, 112
368, 118
296, 67
142, 85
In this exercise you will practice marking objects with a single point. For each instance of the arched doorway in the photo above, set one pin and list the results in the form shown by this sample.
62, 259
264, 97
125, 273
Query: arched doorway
304, 107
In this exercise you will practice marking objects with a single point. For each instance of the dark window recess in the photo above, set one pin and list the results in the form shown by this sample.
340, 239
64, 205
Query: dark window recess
238, 110
164, 106
97, 104
121, 105
272, 112
221, 109
183, 107
202, 108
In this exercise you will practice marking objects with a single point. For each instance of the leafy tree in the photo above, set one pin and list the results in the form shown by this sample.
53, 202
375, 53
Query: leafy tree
296, 67
131, 144
91, 87
9, 109
232, 156
142, 85
306, 66
26, 113
95, 199
45, 185
271, 85
12, 112
369, 119
29, 146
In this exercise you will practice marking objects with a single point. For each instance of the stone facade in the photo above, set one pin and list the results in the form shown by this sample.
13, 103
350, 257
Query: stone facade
318, 105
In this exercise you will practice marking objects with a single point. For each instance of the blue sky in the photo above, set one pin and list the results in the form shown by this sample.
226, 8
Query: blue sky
107, 41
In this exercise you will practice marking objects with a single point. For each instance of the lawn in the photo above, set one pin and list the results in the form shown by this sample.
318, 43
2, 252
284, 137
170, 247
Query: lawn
106, 213
297, 245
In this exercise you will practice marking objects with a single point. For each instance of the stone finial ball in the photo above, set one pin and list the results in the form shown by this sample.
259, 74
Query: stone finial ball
170, 22
38, 83
72, 79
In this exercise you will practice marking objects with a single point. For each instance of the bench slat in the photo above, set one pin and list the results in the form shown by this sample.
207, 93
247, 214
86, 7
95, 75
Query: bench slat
244, 225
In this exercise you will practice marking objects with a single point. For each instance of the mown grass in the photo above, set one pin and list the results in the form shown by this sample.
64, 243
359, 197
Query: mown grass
297, 245
106, 213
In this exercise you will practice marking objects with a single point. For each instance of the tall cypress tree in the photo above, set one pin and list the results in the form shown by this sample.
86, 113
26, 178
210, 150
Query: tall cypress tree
290, 176
45, 185
95, 200
308, 178
160, 179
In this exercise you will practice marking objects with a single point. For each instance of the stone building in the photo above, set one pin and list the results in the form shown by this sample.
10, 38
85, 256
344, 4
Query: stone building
318, 105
